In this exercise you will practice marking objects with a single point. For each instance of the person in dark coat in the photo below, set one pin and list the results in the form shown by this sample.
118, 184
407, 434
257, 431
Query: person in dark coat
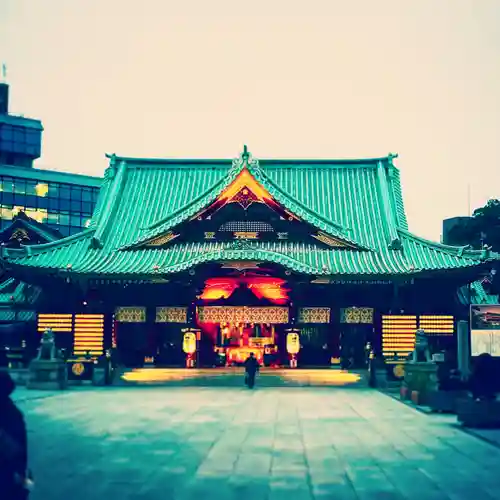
13, 445
251, 368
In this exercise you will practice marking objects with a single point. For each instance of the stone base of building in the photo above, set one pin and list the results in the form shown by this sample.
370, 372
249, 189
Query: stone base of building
445, 401
420, 380
47, 375
19, 375
478, 414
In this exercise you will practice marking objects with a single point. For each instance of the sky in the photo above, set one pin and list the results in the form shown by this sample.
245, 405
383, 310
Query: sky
292, 79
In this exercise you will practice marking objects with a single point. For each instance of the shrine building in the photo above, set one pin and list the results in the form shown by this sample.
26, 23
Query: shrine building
244, 251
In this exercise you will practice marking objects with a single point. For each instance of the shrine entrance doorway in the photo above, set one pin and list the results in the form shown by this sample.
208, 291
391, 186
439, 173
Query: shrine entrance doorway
231, 333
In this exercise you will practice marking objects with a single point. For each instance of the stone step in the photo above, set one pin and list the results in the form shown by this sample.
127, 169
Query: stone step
230, 377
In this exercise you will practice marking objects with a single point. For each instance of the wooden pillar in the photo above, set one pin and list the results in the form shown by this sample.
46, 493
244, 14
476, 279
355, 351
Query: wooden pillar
395, 299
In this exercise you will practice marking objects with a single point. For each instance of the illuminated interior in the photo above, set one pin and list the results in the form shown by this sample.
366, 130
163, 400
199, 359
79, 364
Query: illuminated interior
41, 189
263, 287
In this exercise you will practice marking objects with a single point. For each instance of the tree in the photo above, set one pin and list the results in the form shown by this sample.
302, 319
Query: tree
487, 224
483, 228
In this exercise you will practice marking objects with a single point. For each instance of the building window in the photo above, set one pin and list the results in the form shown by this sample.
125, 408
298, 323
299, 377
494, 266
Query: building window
41, 189
53, 218
76, 193
86, 195
76, 206
86, 208
38, 214
75, 220
6, 212
64, 205
53, 190
64, 219
53, 204
64, 192
7, 185
19, 186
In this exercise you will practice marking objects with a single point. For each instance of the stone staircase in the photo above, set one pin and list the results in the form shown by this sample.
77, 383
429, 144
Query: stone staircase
234, 377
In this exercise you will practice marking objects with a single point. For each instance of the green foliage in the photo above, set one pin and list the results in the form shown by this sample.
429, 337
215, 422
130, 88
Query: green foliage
483, 228
487, 220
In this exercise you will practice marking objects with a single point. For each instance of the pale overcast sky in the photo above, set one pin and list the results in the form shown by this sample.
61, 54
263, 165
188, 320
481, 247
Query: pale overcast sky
315, 78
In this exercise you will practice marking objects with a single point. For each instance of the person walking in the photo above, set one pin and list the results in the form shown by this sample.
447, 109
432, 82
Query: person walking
251, 368
14, 478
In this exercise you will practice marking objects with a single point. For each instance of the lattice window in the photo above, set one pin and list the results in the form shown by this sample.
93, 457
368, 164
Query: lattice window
243, 314
130, 314
244, 226
171, 315
314, 315
362, 315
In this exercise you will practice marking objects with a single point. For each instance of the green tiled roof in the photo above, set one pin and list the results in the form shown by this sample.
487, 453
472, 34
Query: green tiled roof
15, 292
11, 315
23, 221
357, 201
478, 295
207, 197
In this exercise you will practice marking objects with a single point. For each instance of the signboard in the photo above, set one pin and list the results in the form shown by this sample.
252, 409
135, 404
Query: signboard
485, 329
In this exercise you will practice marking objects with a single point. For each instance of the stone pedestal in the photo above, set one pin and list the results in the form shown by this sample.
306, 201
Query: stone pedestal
420, 380
47, 374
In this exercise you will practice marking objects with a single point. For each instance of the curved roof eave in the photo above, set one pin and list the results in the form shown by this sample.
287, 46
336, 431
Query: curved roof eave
461, 251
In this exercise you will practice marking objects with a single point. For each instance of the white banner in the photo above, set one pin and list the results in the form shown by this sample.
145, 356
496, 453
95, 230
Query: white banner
485, 329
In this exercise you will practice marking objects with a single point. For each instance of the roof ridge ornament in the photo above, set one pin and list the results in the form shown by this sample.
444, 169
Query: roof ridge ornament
245, 160
111, 170
390, 159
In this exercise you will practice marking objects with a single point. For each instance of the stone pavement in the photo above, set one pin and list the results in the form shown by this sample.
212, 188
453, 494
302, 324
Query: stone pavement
271, 443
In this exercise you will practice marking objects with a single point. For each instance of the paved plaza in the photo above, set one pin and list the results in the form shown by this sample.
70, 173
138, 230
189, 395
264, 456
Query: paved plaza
271, 443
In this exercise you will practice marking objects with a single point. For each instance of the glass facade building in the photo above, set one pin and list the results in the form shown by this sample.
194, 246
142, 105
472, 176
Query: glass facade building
62, 200
20, 137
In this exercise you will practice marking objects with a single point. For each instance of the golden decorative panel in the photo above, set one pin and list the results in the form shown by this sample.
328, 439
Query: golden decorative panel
56, 322
362, 315
398, 335
89, 334
171, 315
437, 325
328, 240
243, 314
130, 314
246, 235
314, 315
162, 240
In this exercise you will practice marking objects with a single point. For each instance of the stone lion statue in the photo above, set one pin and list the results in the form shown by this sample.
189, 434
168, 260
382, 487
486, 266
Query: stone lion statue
47, 349
421, 353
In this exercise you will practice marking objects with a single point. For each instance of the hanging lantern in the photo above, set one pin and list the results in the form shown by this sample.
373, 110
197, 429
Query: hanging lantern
293, 342
189, 342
